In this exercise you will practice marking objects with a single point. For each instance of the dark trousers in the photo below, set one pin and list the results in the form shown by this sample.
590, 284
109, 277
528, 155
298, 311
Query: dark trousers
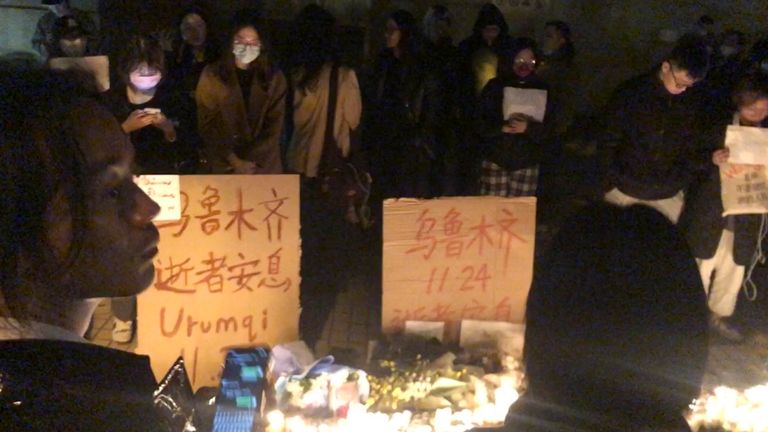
328, 244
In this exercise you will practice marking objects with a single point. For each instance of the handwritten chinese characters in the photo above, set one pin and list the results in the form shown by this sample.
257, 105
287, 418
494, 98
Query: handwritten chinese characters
744, 189
459, 258
227, 273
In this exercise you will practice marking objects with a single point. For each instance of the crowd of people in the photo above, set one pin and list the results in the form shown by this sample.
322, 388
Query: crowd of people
426, 118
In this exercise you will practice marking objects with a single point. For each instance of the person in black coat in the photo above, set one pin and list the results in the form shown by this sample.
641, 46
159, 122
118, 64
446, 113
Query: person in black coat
616, 328
726, 246
478, 63
652, 132
511, 148
74, 229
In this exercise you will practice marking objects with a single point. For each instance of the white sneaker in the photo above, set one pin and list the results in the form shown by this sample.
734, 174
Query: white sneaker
122, 332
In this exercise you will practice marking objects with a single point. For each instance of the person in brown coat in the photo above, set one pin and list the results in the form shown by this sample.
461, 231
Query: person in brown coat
241, 104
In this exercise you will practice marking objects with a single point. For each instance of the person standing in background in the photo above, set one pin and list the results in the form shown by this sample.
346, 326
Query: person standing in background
241, 103
653, 133
328, 246
726, 247
558, 69
43, 39
441, 63
478, 62
400, 146
513, 147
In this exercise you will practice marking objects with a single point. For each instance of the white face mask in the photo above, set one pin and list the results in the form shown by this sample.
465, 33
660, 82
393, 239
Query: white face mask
73, 48
246, 53
727, 51
146, 82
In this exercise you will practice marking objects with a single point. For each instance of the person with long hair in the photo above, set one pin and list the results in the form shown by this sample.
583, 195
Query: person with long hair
316, 73
402, 151
74, 229
193, 49
241, 103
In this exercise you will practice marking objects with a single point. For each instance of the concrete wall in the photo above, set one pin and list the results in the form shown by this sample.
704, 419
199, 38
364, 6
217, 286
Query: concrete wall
18, 19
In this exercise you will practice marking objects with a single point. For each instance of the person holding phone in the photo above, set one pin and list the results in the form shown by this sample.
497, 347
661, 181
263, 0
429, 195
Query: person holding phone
148, 109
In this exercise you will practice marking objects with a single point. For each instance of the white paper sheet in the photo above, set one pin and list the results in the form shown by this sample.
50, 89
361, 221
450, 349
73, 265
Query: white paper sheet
165, 190
426, 329
97, 66
748, 145
531, 102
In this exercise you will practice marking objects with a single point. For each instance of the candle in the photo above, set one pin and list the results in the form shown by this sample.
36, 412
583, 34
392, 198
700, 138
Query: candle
276, 420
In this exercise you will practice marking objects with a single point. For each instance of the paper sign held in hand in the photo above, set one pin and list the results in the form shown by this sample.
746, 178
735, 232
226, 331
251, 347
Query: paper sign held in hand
744, 189
166, 192
747, 145
531, 102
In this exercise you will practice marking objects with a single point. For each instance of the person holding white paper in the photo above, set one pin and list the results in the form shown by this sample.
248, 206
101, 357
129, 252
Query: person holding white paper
725, 246
512, 143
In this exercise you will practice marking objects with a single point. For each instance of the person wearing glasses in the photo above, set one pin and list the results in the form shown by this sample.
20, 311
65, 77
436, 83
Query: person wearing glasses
652, 132
511, 147
241, 103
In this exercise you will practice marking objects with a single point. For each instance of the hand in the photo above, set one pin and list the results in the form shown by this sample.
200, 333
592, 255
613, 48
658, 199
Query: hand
720, 157
518, 125
160, 121
138, 119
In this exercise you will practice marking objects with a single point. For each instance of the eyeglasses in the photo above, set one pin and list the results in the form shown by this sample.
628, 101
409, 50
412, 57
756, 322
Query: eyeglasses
522, 61
251, 42
678, 84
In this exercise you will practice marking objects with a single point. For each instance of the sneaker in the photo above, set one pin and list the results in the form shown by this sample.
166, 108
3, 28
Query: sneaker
122, 332
719, 326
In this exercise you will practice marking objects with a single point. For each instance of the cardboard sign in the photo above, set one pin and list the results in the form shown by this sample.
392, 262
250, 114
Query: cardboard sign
747, 145
457, 258
227, 274
165, 191
96, 66
530, 102
744, 189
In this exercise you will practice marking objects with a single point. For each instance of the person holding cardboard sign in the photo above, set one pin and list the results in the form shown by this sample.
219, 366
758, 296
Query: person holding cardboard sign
74, 229
513, 111
726, 246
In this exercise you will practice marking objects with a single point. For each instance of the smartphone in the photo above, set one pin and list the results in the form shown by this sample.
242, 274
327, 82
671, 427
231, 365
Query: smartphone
152, 110
240, 399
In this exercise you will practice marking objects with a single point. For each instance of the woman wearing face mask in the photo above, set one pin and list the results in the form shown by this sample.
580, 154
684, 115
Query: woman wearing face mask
148, 110
511, 147
241, 103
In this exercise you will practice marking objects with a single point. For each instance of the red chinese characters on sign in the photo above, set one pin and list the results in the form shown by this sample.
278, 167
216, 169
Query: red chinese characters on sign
446, 235
465, 255
218, 274
243, 217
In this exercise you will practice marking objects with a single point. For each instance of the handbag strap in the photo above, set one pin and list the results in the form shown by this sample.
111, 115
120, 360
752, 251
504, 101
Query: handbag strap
332, 156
